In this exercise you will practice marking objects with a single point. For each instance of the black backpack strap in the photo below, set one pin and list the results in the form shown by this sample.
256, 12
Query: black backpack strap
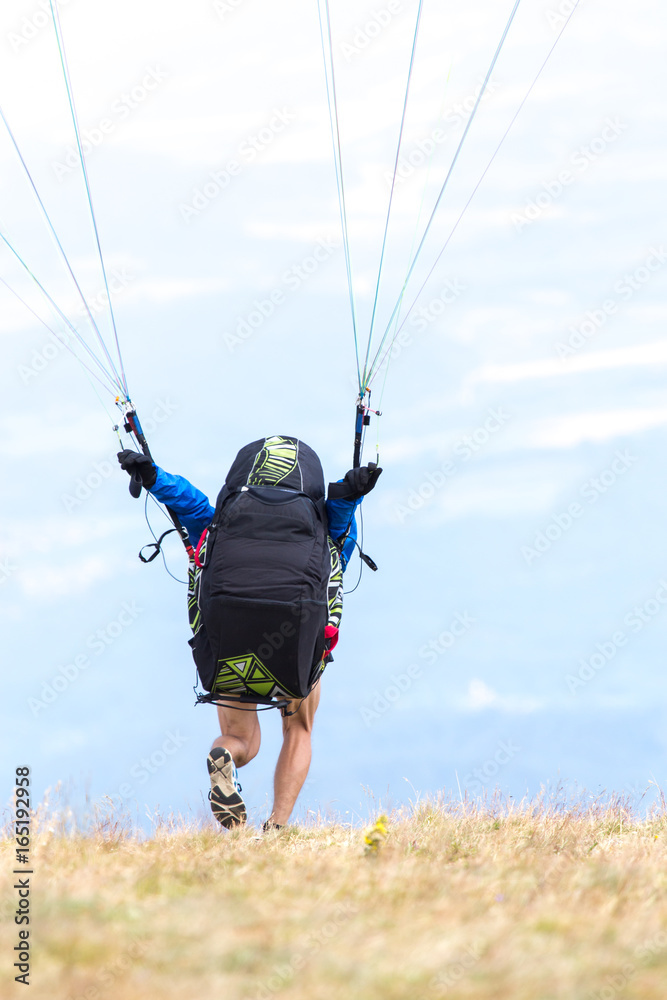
156, 545
253, 700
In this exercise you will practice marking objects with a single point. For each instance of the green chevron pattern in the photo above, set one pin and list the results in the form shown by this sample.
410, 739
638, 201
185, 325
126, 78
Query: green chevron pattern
237, 674
275, 461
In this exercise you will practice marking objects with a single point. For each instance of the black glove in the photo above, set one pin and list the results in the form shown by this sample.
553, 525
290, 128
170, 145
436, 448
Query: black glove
356, 484
140, 468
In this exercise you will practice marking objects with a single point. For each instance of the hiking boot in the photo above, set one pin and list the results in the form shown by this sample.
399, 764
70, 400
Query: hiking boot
226, 803
270, 827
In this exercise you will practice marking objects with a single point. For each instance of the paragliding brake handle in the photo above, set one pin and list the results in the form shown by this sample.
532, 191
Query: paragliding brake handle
363, 419
132, 425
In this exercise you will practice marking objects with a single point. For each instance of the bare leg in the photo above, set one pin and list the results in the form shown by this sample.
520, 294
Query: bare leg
294, 760
237, 744
240, 733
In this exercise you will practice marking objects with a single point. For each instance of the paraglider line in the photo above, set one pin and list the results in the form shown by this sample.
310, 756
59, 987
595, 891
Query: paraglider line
477, 185
53, 333
70, 98
393, 184
114, 387
338, 163
53, 232
473, 113
150, 528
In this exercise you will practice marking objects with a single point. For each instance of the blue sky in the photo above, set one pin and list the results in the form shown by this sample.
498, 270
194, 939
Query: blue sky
523, 415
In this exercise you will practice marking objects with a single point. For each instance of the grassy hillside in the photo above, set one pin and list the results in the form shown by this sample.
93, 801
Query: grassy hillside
529, 902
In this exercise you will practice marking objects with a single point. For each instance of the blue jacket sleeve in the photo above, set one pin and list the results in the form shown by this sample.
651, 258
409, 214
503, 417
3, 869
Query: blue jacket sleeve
195, 511
191, 505
340, 514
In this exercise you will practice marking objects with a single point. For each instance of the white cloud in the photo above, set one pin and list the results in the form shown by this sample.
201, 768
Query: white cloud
44, 580
571, 430
170, 289
47, 433
481, 696
643, 355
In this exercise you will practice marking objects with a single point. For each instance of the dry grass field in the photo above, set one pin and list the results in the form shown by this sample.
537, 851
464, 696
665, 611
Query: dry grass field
530, 901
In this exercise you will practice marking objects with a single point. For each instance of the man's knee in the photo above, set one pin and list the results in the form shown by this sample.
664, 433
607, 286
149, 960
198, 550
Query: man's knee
243, 729
302, 713
298, 724
250, 752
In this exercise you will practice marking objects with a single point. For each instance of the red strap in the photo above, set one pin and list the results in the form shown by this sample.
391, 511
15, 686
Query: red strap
199, 545
331, 634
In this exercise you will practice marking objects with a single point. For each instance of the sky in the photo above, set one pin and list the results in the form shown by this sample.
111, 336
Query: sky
513, 635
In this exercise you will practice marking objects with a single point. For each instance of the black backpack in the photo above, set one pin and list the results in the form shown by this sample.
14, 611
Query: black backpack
258, 591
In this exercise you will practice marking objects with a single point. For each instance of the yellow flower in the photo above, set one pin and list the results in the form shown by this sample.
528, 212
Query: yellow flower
377, 834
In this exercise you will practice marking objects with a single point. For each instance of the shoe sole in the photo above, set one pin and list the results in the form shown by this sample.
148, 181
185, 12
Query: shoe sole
226, 804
